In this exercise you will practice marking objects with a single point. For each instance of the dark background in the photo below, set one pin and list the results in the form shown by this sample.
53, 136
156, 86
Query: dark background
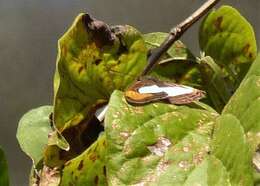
29, 30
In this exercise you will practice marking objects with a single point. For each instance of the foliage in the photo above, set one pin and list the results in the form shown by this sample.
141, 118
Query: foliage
229, 39
36, 123
4, 179
157, 143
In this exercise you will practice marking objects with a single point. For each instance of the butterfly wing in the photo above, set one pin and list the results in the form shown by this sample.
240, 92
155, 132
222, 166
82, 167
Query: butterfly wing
187, 98
133, 95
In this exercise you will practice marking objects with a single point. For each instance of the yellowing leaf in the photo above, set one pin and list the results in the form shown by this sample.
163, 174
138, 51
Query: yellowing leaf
94, 59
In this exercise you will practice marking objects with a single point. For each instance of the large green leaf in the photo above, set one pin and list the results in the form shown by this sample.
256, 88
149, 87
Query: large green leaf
93, 60
177, 65
33, 130
157, 144
245, 104
87, 169
230, 146
226, 36
229, 39
4, 178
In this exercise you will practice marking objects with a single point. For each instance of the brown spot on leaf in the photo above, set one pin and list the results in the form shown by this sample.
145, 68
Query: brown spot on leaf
96, 180
104, 170
246, 48
80, 166
80, 69
51, 118
97, 62
93, 157
64, 49
218, 22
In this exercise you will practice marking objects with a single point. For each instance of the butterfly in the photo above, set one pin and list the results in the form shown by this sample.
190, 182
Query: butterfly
150, 90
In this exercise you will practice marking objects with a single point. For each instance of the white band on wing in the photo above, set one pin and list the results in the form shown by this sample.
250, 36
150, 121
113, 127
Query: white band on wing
101, 112
171, 90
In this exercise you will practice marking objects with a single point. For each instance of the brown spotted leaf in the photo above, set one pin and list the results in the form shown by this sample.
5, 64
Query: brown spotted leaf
228, 37
157, 144
89, 168
93, 60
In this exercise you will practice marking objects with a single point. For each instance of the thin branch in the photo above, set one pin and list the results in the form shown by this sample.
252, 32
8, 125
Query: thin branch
176, 33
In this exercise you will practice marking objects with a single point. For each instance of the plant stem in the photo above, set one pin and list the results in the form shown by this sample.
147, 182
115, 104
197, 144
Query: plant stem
176, 33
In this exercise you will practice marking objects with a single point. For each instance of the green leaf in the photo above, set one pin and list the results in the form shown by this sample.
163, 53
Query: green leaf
210, 172
230, 146
33, 130
227, 36
254, 69
245, 104
55, 138
178, 51
93, 60
177, 65
229, 39
157, 144
4, 178
89, 168
218, 88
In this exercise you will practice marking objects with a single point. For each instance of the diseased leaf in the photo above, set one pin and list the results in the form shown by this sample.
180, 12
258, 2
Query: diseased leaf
33, 130
157, 144
227, 37
79, 138
94, 59
4, 178
231, 148
89, 168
